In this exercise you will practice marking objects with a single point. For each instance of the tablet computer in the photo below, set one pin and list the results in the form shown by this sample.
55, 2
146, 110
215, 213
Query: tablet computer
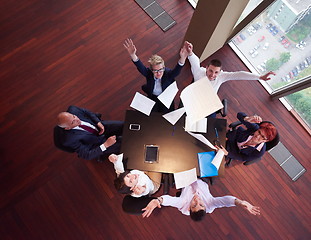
151, 153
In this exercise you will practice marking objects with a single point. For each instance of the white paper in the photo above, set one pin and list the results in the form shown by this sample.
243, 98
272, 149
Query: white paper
142, 103
200, 100
174, 116
168, 95
185, 178
218, 158
199, 126
118, 165
203, 139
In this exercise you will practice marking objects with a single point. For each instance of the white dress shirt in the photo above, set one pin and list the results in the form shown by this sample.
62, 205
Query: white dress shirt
143, 179
157, 90
201, 188
200, 72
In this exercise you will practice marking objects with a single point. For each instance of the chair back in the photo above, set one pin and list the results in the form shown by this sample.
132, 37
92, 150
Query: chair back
133, 205
58, 135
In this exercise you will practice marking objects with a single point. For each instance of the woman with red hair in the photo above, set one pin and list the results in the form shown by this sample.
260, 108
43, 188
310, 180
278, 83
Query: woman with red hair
250, 143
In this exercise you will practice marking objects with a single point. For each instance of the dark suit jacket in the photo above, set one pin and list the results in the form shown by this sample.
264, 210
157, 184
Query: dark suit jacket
167, 78
240, 135
84, 143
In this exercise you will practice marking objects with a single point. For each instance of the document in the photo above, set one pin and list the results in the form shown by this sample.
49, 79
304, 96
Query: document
200, 100
209, 163
199, 126
168, 95
142, 103
185, 178
174, 116
203, 139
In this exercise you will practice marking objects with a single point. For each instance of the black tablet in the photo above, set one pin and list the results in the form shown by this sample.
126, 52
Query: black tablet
151, 153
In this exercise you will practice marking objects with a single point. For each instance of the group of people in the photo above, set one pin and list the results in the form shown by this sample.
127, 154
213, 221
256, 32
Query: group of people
83, 132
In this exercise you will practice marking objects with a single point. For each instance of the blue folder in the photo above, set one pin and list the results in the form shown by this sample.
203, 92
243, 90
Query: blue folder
207, 169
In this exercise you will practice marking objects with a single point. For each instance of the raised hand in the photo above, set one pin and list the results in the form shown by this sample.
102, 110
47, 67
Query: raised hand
250, 208
266, 76
150, 207
113, 158
131, 49
137, 189
188, 47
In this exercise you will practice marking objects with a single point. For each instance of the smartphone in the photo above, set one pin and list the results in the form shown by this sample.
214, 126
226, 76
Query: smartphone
151, 153
135, 127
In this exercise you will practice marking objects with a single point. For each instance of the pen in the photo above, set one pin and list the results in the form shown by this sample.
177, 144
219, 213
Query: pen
216, 133
173, 131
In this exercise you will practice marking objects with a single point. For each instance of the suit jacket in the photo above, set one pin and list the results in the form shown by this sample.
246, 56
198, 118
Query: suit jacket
241, 135
84, 143
167, 78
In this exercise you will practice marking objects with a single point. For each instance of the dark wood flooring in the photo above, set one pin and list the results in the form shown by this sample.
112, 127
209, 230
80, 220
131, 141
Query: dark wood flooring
57, 53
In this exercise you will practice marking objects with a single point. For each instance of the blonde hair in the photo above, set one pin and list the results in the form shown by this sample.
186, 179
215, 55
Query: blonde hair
155, 60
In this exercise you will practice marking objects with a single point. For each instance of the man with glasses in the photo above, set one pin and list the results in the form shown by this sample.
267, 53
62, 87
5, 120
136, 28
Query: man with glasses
158, 77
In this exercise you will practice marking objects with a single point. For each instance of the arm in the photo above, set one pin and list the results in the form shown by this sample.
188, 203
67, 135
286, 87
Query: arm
247, 206
88, 150
139, 191
150, 207
197, 71
131, 49
164, 200
85, 113
251, 123
117, 163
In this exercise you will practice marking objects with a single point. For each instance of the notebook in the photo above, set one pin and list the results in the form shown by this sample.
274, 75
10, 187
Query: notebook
207, 168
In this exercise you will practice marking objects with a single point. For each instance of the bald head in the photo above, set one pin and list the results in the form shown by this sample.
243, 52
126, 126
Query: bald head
67, 120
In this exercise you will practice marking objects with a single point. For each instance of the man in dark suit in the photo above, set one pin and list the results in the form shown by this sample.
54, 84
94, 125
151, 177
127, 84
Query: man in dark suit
157, 75
85, 133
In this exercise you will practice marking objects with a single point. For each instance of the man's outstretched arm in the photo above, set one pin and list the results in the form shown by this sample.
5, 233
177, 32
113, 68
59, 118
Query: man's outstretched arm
247, 206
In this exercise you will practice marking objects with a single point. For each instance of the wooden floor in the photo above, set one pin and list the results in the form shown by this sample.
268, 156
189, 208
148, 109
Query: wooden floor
57, 53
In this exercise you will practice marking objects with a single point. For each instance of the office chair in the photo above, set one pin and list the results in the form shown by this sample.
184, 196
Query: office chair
269, 145
223, 112
133, 205
58, 134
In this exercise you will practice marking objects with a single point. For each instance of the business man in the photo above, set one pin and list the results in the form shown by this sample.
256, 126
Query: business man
196, 200
86, 134
214, 72
158, 77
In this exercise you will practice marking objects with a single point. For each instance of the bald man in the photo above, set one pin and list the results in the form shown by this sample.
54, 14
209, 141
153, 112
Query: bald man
86, 134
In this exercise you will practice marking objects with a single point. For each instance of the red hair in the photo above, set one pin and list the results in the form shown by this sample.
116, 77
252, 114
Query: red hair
269, 129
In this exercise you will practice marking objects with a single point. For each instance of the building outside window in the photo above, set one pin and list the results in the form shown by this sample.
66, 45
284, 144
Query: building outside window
279, 40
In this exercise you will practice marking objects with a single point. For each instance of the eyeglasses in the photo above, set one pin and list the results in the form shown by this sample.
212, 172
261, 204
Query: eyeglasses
158, 70
262, 136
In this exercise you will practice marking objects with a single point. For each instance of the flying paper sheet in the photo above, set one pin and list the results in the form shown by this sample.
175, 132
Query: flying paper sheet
200, 100
185, 178
168, 95
174, 116
199, 126
142, 103
203, 139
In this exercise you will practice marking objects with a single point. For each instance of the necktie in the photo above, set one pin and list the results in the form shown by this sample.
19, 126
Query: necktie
89, 129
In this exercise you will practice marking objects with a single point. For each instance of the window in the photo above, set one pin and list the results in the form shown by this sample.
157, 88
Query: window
279, 40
